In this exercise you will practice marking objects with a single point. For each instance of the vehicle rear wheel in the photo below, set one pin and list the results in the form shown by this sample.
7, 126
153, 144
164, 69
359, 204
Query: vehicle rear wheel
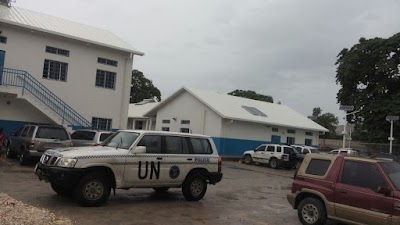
23, 158
9, 153
273, 163
248, 159
62, 191
93, 189
311, 211
194, 188
161, 189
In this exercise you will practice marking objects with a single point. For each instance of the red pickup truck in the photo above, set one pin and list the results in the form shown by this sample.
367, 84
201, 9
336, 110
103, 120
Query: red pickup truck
347, 189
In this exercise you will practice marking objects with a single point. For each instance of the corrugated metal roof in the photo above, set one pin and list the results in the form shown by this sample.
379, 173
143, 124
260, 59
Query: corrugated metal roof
139, 110
57, 26
230, 107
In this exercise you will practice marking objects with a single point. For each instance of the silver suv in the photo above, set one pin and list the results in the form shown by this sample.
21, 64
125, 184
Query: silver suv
89, 137
33, 140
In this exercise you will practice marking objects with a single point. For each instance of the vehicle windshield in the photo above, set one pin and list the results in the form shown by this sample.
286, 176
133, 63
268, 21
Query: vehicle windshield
392, 169
314, 150
121, 139
295, 151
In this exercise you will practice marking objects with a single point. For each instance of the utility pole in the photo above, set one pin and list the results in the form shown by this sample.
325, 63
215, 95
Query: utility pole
391, 138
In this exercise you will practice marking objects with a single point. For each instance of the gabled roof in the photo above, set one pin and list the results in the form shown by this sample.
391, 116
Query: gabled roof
138, 110
65, 28
231, 107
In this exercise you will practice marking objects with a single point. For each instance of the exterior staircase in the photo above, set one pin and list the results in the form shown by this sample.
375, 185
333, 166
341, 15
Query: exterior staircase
27, 87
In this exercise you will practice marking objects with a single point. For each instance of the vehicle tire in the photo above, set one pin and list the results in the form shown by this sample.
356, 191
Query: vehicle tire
62, 191
194, 188
23, 158
93, 189
9, 153
248, 160
273, 163
311, 211
161, 189
297, 165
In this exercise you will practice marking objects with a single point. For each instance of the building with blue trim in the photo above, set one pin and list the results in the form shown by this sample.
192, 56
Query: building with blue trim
56, 71
236, 124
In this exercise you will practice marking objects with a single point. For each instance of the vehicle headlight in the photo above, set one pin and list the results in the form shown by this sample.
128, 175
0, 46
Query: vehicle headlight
66, 162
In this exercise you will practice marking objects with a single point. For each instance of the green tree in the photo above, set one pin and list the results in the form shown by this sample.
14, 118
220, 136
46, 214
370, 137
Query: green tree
142, 88
327, 120
252, 95
370, 80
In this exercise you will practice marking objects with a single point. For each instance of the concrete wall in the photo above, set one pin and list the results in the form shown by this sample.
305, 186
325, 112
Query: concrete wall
186, 107
25, 50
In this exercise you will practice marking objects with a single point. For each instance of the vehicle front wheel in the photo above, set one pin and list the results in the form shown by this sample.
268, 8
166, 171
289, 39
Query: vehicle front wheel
9, 153
273, 163
23, 158
93, 189
62, 191
311, 211
247, 159
194, 188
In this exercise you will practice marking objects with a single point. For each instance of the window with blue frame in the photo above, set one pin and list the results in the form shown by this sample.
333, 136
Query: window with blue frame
3, 40
105, 79
101, 123
54, 70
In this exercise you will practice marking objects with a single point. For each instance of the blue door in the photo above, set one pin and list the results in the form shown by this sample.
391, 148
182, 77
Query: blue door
276, 139
2, 56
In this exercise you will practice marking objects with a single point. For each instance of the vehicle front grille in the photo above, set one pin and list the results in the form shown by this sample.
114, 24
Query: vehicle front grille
48, 160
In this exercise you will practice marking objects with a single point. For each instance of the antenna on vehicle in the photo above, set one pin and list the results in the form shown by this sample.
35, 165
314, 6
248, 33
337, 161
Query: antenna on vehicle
7, 2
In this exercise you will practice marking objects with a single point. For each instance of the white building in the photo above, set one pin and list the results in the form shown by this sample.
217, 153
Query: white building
61, 72
136, 116
236, 124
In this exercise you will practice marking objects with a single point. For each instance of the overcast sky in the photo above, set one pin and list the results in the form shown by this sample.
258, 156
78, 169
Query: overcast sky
283, 48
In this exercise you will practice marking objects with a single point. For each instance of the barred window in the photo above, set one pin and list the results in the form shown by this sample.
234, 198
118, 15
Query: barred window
105, 79
309, 133
57, 51
166, 121
101, 123
3, 40
165, 128
54, 70
185, 121
107, 62
291, 131
185, 130
275, 129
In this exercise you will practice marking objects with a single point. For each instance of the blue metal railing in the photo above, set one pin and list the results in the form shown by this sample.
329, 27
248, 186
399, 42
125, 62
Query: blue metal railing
20, 78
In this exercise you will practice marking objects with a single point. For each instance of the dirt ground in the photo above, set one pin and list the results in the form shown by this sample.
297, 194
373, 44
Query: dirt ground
247, 194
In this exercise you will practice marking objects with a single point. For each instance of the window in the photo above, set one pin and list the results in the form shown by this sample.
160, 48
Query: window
30, 133
279, 149
107, 62
185, 130
18, 133
104, 136
152, 143
291, 131
288, 150
275, 129
123, 140
101, 123
83, 135
308, 142
52, 133
270, 148
105, 79
318, 167
173, 145
290, 140
254, 111
185, 121
362, 174
200, 146
54, 70
25, 132
166, 121
57, 51
165, 128
3, 40
261, 148
308, 133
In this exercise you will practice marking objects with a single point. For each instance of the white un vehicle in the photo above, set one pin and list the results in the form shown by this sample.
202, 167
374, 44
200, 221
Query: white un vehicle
133, 159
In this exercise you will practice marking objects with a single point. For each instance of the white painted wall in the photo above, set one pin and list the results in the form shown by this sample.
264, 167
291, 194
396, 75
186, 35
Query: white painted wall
186, 107
25, 50
15, 109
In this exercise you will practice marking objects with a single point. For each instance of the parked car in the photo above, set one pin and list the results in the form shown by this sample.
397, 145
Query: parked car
89, 137
387, 156
304, 149
33, 140
133, 159
345, 151
272, 154
347, 189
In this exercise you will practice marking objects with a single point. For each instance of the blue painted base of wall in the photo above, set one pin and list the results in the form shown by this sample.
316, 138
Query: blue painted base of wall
235, 147
10, 126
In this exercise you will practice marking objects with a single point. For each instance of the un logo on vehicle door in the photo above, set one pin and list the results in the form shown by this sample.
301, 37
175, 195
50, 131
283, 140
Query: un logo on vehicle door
174, 172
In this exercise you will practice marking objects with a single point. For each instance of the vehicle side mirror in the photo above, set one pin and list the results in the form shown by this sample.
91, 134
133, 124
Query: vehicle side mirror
384, 190
139, 149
